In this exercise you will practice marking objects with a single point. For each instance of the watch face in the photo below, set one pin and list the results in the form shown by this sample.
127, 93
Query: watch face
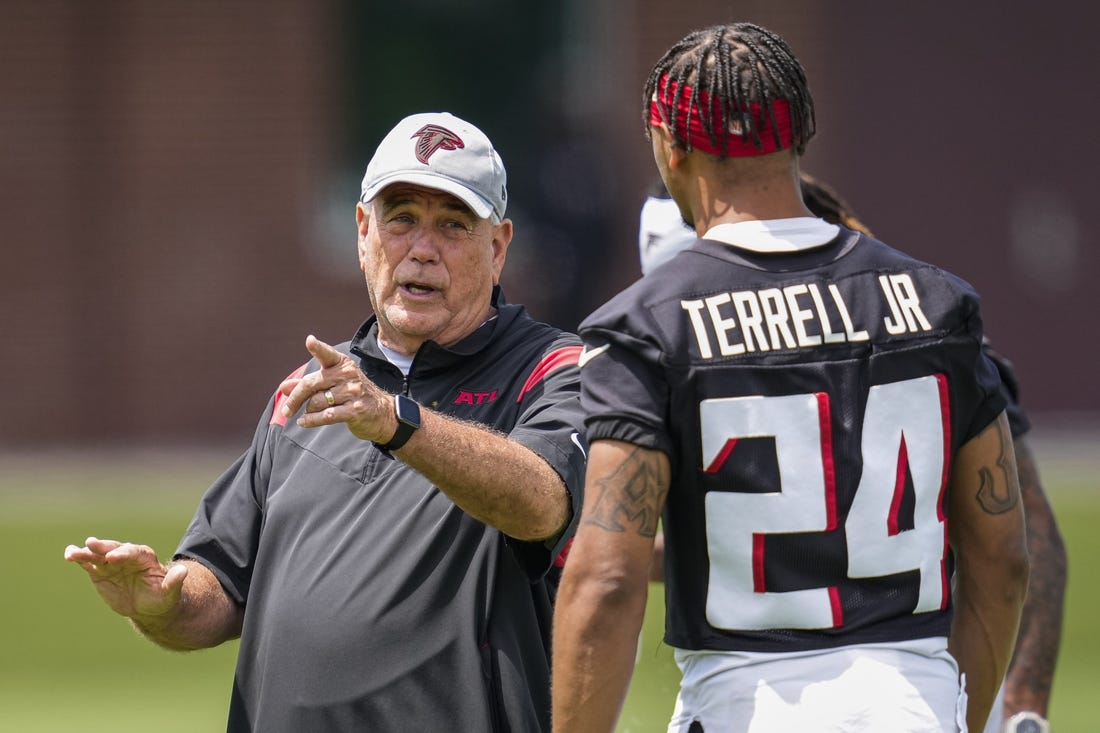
1028, 726
408, 411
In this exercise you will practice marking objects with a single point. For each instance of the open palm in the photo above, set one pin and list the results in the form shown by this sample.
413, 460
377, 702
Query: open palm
129, 577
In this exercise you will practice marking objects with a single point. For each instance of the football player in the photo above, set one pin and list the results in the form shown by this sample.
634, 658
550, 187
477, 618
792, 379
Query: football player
808, 408
1022, 706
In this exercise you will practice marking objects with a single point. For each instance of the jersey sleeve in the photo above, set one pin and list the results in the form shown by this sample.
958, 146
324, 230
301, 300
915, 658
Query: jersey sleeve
225, 530
633, 410
550, 424
979, 384
624, 392
1018, 420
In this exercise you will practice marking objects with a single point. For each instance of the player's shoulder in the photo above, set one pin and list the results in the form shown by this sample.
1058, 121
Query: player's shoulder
1005, 368
935, 281
628, 305
1004, 364
874, 252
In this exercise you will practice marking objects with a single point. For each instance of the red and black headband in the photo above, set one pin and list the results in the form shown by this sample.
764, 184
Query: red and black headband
739, 142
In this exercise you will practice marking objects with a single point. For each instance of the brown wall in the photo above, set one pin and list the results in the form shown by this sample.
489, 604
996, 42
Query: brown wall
156, 158
162, 168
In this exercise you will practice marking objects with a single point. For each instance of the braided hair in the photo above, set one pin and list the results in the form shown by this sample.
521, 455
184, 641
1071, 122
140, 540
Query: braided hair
735, 67
826, 203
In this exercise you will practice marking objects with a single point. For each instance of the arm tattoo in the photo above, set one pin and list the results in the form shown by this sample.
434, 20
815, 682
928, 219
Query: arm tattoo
992, 501
631, 497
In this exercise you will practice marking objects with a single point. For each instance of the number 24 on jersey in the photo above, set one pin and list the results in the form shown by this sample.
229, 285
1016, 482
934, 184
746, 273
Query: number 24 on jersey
905, 429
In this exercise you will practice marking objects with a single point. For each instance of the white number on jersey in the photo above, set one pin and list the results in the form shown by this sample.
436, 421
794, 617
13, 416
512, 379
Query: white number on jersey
905, 430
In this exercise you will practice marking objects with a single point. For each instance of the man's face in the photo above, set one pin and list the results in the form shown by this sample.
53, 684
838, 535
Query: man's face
430, 265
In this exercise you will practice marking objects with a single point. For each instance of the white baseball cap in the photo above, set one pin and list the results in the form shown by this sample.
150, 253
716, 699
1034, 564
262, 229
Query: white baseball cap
438, 150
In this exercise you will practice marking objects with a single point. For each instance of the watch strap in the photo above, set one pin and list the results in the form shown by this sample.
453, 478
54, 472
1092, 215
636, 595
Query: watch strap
405, 427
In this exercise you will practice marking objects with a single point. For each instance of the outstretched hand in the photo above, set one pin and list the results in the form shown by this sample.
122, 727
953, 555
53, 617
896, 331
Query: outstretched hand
339, 392
129, 577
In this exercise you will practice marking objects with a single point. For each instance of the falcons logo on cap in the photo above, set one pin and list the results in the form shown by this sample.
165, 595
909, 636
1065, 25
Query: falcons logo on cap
433, 138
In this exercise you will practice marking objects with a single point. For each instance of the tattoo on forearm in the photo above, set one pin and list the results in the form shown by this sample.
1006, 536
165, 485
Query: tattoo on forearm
992, 500
631, 498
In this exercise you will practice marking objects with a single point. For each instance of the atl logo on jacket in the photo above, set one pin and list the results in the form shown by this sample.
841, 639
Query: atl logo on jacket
474, 398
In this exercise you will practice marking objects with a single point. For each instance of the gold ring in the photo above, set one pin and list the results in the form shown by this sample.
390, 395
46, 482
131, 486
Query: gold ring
329, 398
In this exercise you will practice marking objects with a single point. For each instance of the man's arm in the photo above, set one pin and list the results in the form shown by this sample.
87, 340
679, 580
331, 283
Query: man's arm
498, 481
601, 602
987, 534
1031, 672
181, 606
492, 478
657, 569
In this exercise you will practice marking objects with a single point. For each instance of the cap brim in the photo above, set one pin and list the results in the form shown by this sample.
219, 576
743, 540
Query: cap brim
477, 204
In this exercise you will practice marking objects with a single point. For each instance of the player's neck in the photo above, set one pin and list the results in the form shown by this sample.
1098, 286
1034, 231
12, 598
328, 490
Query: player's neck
733, 191
733, 206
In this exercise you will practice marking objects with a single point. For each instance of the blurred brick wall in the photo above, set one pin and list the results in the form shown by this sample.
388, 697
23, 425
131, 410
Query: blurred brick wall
158, 162
162, 167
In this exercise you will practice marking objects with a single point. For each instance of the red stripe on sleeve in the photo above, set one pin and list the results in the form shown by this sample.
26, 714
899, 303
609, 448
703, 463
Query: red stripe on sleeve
556, 359
564, 554
277, 417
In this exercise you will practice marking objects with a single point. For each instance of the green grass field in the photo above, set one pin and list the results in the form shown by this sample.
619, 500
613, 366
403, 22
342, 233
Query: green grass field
72, 665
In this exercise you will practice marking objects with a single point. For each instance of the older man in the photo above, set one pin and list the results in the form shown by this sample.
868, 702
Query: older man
382, 555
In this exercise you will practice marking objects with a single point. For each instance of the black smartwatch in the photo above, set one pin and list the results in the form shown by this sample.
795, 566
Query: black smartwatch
408, 420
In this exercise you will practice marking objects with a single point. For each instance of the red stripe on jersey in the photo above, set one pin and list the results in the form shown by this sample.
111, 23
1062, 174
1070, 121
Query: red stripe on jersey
277, 417
946, 592
945, 416
758, 584
559, 562
722, 456
824, 416
556, 359
838, 610
899, 488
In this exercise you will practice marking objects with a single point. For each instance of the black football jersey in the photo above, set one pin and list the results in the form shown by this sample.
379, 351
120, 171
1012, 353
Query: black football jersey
810, 404
1018, 421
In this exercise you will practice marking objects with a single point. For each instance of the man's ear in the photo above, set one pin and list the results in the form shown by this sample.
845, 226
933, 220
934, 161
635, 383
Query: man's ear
362, 218
362, 224
502, 237
674, 152
677, 153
